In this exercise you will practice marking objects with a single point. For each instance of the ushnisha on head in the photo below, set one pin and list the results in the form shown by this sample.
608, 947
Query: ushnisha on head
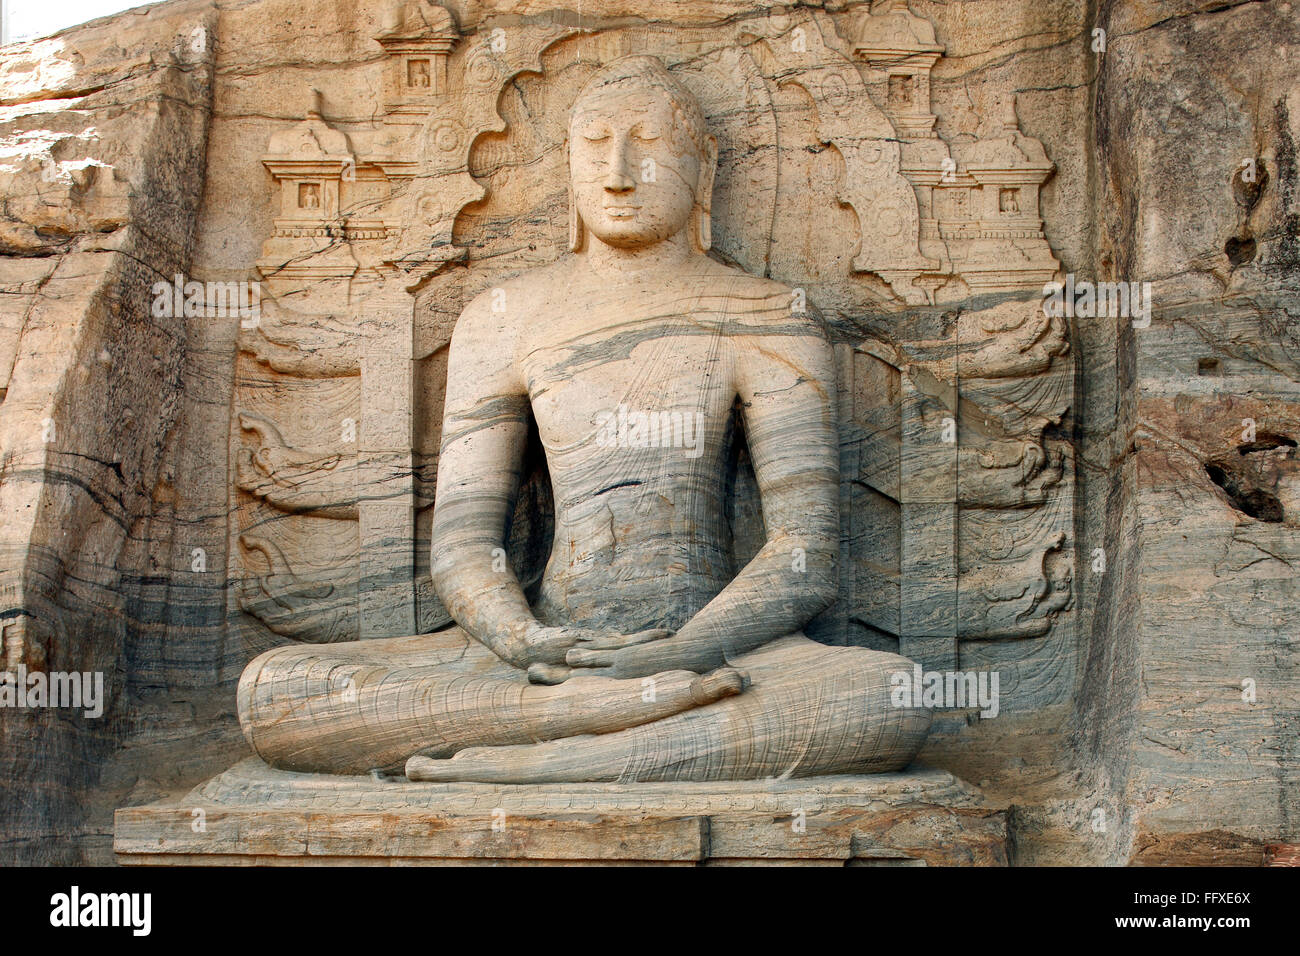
641, 159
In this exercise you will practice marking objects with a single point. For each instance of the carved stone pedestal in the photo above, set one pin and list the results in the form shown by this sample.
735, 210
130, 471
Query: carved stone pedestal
255, 815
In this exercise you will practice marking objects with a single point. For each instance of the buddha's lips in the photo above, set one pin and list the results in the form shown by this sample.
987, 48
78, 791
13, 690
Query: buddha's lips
621, 212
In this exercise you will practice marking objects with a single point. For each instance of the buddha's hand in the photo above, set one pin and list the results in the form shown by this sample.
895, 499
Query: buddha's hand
550, 645
684, 651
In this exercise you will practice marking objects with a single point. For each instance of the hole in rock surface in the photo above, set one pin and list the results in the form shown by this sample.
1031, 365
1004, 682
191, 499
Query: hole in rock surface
1245, 191
1239, 250
1266, 441
1259, 504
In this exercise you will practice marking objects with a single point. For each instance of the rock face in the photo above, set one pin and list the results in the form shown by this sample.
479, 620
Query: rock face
104, 144
1099, 509
1197, 672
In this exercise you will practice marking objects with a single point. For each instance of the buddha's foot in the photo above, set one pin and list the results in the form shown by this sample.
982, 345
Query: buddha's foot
715, 685
491, 764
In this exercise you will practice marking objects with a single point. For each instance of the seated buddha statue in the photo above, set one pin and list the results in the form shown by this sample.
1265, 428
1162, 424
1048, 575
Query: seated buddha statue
646, 654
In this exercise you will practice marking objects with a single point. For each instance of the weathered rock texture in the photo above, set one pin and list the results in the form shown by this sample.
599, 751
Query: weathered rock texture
102, 168
216, 491
1193, 654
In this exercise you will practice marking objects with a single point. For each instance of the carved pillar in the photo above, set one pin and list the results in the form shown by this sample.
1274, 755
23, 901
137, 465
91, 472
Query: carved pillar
386, 470
928, 622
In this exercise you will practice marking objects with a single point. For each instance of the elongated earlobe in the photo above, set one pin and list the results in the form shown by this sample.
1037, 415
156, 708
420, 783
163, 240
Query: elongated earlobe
577, 228
702, 233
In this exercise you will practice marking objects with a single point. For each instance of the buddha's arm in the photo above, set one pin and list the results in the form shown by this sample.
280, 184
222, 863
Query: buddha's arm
485, 427
787, 385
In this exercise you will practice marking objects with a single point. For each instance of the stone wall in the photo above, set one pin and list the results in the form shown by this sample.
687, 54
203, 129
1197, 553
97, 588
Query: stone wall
125, 543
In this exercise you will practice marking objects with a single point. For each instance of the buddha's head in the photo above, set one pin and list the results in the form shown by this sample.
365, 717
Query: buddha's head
641, 160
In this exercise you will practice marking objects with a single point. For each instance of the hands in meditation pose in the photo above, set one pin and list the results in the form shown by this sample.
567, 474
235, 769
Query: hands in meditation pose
647, 655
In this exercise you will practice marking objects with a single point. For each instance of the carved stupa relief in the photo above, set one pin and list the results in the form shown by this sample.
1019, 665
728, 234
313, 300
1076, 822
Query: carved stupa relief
957, 480
418, 46
979, 209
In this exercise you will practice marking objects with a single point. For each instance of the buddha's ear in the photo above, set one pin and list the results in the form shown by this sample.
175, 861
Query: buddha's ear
703, 232
577, 228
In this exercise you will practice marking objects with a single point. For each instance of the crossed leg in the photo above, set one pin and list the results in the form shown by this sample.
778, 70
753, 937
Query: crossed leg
811, 710
369, 705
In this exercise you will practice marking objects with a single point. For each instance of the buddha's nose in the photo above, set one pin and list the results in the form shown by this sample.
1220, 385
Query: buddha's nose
620, 179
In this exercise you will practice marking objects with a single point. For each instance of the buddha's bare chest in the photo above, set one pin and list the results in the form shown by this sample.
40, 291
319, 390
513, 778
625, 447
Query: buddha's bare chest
638, 378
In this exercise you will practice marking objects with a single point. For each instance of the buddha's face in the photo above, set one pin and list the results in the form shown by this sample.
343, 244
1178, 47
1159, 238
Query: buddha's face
634, 169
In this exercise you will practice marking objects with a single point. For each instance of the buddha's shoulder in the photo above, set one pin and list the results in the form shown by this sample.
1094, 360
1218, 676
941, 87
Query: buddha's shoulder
758, 301
531, 287
547, 277
743, 285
